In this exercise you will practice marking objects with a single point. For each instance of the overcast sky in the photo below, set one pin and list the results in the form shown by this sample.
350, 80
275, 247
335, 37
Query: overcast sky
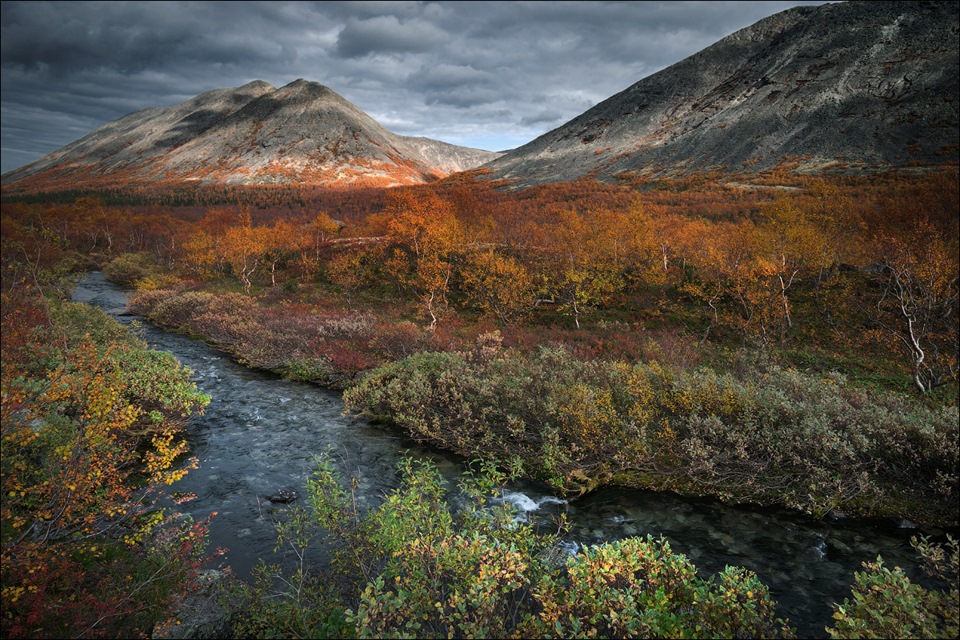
491, 75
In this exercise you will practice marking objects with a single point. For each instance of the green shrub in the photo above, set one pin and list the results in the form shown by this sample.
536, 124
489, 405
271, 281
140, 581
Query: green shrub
813, 443
301, 605
886, 604
639, 588
417, 566
128, 268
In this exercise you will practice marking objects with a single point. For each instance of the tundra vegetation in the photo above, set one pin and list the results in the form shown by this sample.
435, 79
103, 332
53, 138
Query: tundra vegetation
774, 339
92, 430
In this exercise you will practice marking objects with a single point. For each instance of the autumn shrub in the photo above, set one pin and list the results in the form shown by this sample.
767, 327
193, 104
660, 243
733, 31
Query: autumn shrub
143, 302
298, 341
886, 604
25, 320
813, 443
351, 271
102, 587
155, 281
395, 341
91, 431
172, 308
128, 268
332, 345
349, 324
345, 360
153, 380
226, 320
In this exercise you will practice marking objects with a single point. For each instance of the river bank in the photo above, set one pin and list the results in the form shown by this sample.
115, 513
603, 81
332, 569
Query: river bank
260, 432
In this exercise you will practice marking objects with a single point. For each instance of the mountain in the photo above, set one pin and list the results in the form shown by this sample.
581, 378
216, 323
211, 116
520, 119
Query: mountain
254, 134
854, 84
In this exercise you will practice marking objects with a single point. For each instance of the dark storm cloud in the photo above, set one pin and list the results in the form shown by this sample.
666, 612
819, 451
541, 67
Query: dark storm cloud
387, 34
448, 76
487, 74
62, 38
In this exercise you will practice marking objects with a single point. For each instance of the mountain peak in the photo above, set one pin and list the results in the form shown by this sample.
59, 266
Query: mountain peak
303, 132
307, 90
861, 84
258, 85
306, 85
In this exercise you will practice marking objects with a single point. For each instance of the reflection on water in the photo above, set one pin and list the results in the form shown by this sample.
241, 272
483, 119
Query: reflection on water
260, 434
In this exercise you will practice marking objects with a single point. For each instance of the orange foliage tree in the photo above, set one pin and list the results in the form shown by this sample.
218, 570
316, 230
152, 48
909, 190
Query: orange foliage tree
244, 247
790, 244
583, 260
319, 232
912, 235
280, 242
498, 285
727, 278
426, 236
918, 306
204, 252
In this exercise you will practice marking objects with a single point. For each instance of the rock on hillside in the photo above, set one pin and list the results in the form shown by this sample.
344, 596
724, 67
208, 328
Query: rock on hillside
868, 84
255, 134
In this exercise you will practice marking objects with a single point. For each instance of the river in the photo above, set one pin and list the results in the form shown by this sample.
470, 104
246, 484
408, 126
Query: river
260, 433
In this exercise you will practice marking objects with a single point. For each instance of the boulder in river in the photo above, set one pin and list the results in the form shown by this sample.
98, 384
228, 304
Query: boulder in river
283, 496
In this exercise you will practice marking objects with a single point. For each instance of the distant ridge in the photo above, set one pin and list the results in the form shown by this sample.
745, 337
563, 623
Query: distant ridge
255, 134
846, 85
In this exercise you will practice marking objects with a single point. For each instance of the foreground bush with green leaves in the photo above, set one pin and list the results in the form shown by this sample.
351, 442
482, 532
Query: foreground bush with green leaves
92, 424
436, 563
425, 564
774, 436
886, 604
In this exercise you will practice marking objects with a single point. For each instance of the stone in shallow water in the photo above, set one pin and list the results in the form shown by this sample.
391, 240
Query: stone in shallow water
283, 496
903, 523
840, 546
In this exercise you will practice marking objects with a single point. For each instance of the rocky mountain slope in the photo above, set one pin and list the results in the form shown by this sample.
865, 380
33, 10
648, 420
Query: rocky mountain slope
861, 84
255, 134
